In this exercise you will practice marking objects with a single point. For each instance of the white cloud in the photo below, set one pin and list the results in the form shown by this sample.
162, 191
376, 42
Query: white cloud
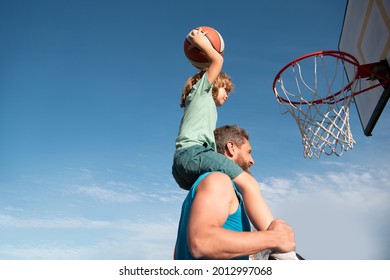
28, 222
107, 195
119, 192
39, 252
335, 215
121, 239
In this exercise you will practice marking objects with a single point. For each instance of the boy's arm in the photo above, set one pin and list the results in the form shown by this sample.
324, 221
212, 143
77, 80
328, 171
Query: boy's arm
216, 60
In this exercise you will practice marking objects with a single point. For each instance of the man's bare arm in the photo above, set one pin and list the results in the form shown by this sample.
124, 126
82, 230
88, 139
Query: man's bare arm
215, 199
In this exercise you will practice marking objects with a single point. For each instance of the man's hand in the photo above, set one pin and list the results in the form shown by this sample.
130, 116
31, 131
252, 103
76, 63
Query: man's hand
284, 235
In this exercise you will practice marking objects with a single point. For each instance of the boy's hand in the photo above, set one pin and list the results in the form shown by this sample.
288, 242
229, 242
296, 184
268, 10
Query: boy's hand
197, 39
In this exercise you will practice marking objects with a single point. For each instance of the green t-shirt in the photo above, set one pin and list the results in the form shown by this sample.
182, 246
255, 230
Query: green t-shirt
200, 117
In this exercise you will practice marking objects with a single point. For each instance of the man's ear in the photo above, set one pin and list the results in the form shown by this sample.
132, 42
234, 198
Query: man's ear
230, 149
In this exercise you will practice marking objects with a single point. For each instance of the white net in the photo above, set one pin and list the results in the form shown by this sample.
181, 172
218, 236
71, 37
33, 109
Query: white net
319, 100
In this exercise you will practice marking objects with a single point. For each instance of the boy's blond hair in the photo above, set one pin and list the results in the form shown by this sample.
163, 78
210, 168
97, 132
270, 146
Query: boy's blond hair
222, 81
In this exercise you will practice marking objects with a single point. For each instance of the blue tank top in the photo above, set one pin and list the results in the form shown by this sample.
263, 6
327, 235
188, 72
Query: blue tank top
238, 221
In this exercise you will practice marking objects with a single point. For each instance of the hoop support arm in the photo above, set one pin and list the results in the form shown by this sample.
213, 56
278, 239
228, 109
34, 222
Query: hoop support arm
375, 71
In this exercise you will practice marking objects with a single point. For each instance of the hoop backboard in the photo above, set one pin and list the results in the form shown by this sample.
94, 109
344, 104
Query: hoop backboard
366, 35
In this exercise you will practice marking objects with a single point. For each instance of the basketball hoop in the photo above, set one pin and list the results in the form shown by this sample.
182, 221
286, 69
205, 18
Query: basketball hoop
316, 91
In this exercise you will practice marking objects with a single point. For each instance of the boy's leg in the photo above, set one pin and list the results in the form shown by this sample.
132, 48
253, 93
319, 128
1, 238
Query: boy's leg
256, 207
258, 212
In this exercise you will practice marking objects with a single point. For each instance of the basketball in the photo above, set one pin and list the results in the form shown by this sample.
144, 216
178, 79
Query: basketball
196, 56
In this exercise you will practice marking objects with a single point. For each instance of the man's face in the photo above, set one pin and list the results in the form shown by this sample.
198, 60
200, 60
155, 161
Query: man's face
244, 158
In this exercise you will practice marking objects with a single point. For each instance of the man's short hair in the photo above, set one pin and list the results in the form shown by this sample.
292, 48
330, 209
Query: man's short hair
227, 133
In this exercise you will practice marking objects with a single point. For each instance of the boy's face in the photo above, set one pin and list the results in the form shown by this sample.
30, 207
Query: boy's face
221, 97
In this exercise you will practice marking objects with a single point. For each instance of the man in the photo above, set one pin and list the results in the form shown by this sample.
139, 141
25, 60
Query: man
213, 222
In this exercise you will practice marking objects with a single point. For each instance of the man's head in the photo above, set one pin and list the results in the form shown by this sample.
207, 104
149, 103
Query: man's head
233, 142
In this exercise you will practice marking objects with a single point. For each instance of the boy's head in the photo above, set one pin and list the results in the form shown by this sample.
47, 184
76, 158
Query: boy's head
222, 81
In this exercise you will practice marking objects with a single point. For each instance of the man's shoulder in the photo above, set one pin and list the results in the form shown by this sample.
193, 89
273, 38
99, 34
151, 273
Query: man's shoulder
216, 176
215, 182
217, 190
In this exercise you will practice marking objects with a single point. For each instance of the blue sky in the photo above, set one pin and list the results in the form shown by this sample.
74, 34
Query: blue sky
89, 112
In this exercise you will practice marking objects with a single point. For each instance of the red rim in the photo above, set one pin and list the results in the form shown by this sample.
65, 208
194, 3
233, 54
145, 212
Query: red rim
330, 99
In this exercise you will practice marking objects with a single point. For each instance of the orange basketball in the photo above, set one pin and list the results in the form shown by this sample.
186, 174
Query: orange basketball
196, 56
